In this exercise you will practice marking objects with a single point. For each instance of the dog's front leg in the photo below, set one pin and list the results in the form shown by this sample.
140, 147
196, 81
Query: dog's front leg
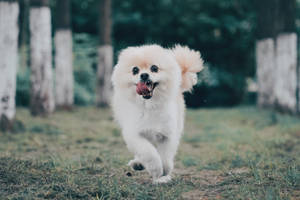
167, 150
145, 153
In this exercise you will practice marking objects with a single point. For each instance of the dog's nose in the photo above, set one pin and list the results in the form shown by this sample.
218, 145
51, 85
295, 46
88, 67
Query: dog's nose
144, 76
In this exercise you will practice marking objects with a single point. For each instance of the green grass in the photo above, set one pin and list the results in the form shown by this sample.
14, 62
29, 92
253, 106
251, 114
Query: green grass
238, 153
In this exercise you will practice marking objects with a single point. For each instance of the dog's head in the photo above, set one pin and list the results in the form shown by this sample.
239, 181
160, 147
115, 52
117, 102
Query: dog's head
147, 72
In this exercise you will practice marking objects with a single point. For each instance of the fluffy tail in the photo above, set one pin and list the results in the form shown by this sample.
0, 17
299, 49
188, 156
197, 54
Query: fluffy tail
190, 62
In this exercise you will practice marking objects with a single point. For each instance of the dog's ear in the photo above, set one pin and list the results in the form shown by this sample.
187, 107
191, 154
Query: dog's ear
190, 62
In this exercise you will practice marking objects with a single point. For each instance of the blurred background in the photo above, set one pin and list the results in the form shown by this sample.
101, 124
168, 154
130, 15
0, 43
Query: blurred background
58, 55
223, 31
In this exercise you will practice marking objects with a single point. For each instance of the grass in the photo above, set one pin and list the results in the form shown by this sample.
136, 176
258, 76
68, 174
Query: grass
238, 153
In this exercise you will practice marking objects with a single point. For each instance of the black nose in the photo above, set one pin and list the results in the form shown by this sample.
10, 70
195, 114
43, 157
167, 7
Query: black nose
144, 76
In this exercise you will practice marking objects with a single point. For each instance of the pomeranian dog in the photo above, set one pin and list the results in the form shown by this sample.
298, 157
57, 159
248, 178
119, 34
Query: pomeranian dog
148, 103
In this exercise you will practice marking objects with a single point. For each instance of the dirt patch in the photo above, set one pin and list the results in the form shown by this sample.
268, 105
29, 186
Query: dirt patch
205, 181
209, 183
199, 195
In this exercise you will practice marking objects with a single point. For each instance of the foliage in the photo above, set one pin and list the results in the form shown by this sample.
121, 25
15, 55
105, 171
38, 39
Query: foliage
85, 67
240, 153
216, 87
222, 30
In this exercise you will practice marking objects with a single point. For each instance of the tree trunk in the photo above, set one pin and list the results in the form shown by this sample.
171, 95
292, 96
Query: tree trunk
276, 55
9, 12
63, 57
105, 54
265, 53
42, 99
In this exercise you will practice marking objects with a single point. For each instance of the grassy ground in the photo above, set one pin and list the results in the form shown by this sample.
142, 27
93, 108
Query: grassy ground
239, 153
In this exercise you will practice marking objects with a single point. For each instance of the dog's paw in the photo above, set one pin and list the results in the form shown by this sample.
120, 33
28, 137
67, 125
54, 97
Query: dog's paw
136, 165
162, 179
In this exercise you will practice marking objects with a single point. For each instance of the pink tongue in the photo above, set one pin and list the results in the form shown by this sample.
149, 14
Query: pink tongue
142, 89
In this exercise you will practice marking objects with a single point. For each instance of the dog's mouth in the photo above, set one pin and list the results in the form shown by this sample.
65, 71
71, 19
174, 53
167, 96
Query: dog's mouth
146, 88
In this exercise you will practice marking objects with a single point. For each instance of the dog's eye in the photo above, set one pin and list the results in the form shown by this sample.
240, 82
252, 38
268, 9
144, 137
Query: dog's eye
135, 70
154, 68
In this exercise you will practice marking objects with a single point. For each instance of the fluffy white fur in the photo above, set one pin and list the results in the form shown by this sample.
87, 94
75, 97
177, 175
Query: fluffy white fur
153, 127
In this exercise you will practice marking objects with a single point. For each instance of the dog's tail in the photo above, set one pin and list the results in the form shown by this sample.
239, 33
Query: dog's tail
190, 62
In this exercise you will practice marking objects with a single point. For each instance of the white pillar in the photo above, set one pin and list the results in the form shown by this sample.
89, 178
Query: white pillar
63, 68
42, 98
265, 71
9, 12
286, 72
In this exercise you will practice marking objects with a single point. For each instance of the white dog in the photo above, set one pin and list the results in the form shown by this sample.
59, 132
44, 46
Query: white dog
148, 103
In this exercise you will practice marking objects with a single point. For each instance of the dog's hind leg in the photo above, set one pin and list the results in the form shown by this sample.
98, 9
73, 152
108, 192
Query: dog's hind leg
146, 154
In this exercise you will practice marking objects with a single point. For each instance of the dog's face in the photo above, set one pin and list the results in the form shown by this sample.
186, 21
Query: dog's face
146, 80
146, 71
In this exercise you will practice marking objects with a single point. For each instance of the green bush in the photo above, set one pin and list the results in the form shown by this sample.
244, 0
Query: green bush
85, 68
216, 87
82, 96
